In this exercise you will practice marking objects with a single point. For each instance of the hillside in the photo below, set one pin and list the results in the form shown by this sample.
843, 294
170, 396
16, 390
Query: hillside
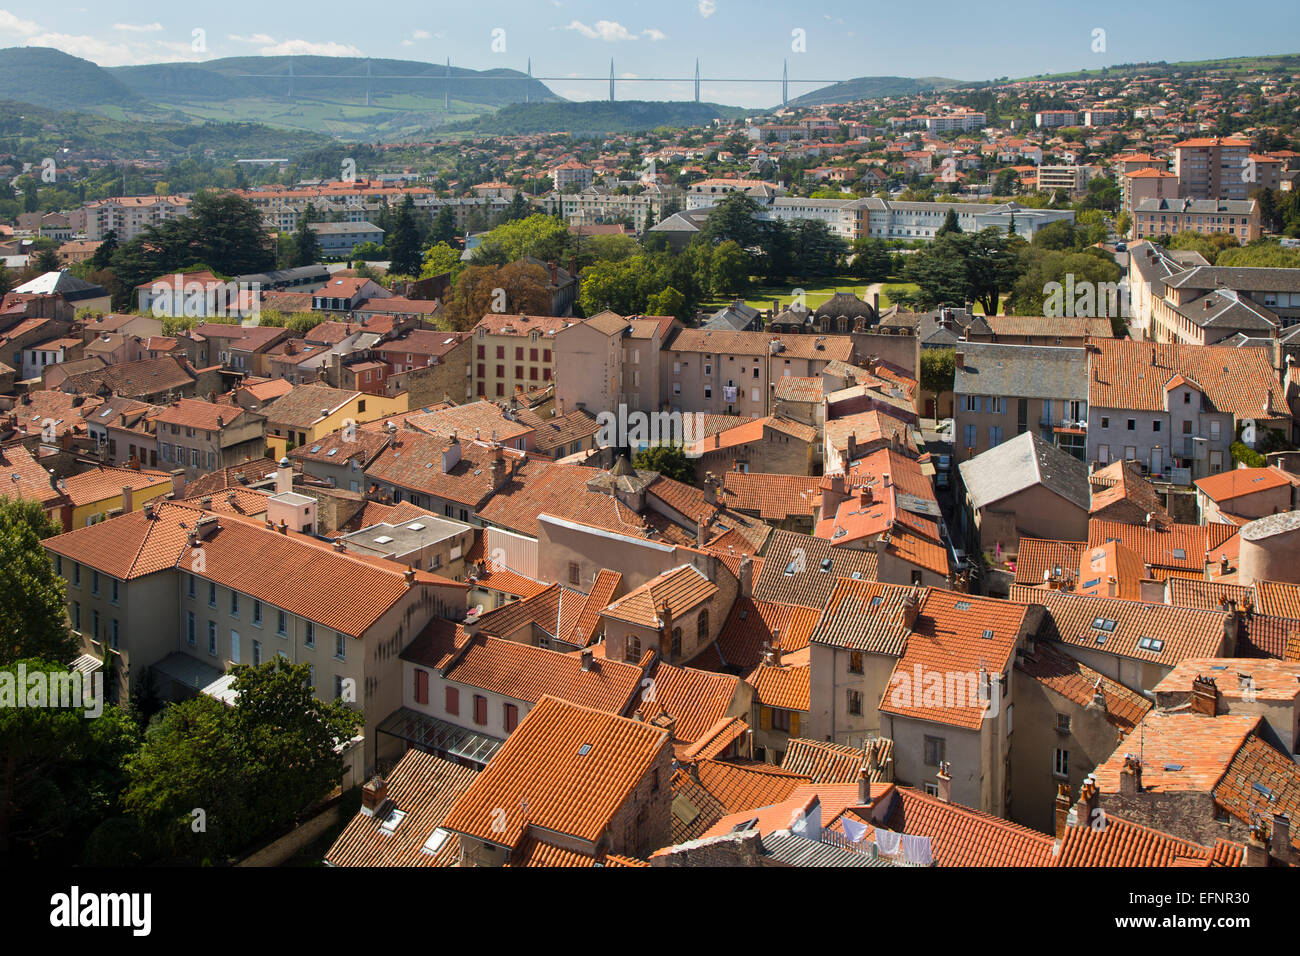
56, 80
1282, 62
871, 87
31, 132
600, 117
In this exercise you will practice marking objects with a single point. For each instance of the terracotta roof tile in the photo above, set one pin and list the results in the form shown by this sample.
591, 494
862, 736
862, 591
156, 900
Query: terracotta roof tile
802, 569
1179, 751
1080, 684
960, 836
680, 589
1039, 555
1123, 843
743, 786
1257, 764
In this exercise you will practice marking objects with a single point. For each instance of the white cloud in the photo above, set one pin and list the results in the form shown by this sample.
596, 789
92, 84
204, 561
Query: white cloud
12, 25
138, 27
309, 48
421, 35
653, 35
91, 48
260, 39
707, 8
608, 30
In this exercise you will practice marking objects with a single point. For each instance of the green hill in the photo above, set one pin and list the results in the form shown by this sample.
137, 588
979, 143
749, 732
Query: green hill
599, 117
56, 80
872, 87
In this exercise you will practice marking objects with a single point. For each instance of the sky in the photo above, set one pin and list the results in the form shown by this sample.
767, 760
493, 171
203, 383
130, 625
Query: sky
733, 39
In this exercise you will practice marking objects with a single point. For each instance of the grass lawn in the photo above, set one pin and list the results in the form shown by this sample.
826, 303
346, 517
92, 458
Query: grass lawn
816, 291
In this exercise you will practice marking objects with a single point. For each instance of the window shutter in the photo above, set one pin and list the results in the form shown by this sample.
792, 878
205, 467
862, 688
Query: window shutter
453, 700
794, 723
512, 717
480, 709
765, 718
421, 686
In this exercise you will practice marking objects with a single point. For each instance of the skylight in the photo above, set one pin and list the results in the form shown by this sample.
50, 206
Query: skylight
436, 839
416, 527
314, 449
383, 539
1153, 644
1103, 624
392, 821
962, 605
988, 634
331, 453
584, 750
1180, 554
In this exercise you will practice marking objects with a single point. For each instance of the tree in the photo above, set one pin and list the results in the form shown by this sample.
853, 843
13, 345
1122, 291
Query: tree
522, 290
32, 595
1040, 268
306, 245
729, 268
734, 219
6, 280
965, 267
938, 372
440, 259
871, 261
252, 767
48, 261
666, 302
444, 227
60, 773
815, 248
518, 208
403, 243
1056, 235
950, 224
540, 236
668, 460
104, 254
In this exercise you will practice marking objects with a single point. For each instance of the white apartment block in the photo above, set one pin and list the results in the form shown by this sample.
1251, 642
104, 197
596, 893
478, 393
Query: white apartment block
128, 216
1049, 119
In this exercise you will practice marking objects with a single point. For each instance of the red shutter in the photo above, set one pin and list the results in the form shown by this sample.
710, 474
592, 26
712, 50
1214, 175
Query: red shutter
480, 709
512, 717
453, 700
421, 686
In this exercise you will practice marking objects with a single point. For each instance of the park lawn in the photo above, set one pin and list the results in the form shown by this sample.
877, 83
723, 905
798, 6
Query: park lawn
816, 291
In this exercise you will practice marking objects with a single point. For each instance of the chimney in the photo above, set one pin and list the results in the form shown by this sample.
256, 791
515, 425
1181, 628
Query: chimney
864, 787
1280, 839
588, 659
1257, 846
911, 608
853, 446
746, 576
451, 455
128, 499
573, 266
959, 361
666, 629
873, 756
1130, 776
284, 477
497, 468
944, 777
699, 532
409, 575
1062, 808
555, 273
374, 794
1205, 696
148, 510
206, 502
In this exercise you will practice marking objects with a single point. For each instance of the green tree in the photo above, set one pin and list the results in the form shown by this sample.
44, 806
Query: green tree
734, 219
518, 208
668, 460
665, 302
440, 259
950, 224
252, 767
403, 243
938, 372
32, 597
871, 261
104, 254
48, 261
444, 227
540, 236
306, 245
729, 269
60, 773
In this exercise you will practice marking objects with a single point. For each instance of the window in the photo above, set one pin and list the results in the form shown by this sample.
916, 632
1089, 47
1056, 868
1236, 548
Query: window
212, 638
234, 603
480, 709
1105, 422
971, 440
1061, 763
257, 653
189, 628
94, 623
113, 591
575, 573
309, 635
702, 627
257, 613
1187, 398
421, 686
76, 617
1187, 427
995, 435
338, 687
855, 703
972, 403
512, 717
780, 719
94, 582
1132, 424
633, 650
855, 662
212, 594
1214, 431
1063, 723
935, 751
1155, 425
76, 574
340, 647
112, 634
281, 623
676, 649
452, 703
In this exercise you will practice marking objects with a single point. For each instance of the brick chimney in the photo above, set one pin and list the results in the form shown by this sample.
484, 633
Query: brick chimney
374, 794
746, 576
1062, 808
128, 499
1130, 776
910, 610
944, 777
1280, 839
864, 787
588, 658
497, 467
1257, 846
1205, 696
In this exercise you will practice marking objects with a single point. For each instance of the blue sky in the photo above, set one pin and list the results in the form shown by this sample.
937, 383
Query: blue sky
964, 39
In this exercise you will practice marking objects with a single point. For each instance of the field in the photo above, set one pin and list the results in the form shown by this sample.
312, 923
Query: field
815, 292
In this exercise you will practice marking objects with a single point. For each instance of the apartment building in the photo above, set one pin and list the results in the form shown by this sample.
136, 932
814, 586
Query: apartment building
1050, 119
960, 120
608, 360
340, 238
1001, 391
201, 436
596, 205
1102, 117
1072, 179
1144, 184
734, 373
1214, 168
172, 596
129, 216
572, 173
1174, 409
1159, 218
514, 353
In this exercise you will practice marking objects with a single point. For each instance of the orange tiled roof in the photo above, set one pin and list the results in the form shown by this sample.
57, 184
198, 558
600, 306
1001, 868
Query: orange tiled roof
102, 482
1123, 843
954, 633
786, 687
1258, 763
825, 762
960, 836
1278, 599
751, 624
697, 700
422, 786
1240, 482
1040, 555
1111, 570
866, 616
565, 768
680, 589
802, 569
742, 786
1179, 751
1080, 684
1181, 547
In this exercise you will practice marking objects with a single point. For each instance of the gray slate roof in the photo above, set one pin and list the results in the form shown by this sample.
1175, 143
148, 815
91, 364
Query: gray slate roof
1021, 463
1022, 371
